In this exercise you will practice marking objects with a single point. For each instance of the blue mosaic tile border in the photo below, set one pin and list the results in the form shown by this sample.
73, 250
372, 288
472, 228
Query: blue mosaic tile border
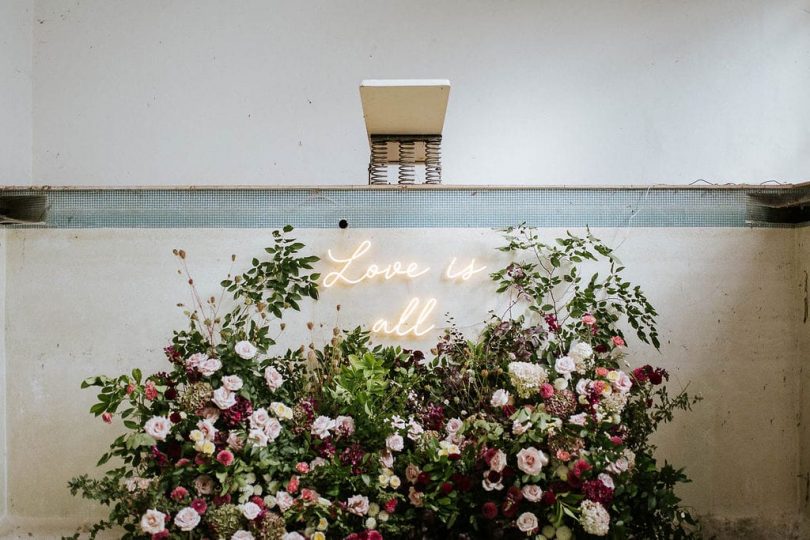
466, 207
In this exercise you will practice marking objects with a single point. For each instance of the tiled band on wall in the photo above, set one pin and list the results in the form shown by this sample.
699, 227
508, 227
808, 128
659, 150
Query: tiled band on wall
402, 208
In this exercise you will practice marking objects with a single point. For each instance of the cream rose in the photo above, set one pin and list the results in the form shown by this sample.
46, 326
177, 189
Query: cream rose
527, 522
580, 351
531, 460
187, 518
153, 521
565, 366
273, 378
242, 534
194, 361
257, 437
158, 427
453, 426
281, 410
207, 429
232, 383
245, 349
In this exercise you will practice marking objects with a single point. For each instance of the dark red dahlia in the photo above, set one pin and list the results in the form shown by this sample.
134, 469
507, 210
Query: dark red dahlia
238, 413
446, 488
489, 510
596, 491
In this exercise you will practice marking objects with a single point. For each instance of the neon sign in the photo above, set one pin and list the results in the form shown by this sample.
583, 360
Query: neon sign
414, 319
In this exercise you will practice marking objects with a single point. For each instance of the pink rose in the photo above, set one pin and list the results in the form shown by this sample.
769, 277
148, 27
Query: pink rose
158, 427
358, 505
194, 361
617, 341
153, 521
588, 319
532, 492
245, 349
531, 460
454, 425
345, 425
272, 429
284, 500
232, 383
204, 485
395, 443
209, 366
273, 378
292, 485
498, 461
225, 457
302, 467
527, 522
251, 511
186, 519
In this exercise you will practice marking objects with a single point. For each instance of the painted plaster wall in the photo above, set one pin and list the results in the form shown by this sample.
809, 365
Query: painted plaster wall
3, 446
15, 91
727, 300
265, 92
803, 353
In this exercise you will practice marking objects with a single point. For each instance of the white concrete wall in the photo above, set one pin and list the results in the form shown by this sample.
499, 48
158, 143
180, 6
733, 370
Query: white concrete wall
553, 91
3, 446
15, 91
727, 299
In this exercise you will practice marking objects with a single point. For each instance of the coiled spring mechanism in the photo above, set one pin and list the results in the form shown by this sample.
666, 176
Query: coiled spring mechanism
406, 158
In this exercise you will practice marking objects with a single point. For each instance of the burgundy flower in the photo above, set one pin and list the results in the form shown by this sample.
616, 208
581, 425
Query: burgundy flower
549, 497
509, 508
374, 535
423, 479
581, 466
238, 413
175, 417
170, 393
179, 493
596, 491
219, 500
199, 505
514, 494
353, 457
489, 510
446, 488
162, 535
390, 506
551, 321
172, 354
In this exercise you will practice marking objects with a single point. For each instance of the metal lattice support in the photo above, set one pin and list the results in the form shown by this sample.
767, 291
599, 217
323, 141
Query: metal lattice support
406, 158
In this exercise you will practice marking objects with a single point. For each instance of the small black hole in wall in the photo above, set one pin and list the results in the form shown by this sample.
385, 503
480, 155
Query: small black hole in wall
343, 224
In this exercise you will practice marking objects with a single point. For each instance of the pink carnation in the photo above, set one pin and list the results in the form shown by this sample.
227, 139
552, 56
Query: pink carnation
225, 457
546, 390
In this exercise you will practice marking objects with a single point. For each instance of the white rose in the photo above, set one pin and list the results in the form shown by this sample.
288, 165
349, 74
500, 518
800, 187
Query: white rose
454, 425
371, 523
273, 378
259, 418
499, 398
387, 458
292, 536
532, 492
153, 521
257, 437
565, 366
582, 386
187, 518
232, 383
209, 367
358, 504
251, 510
281, 410
224, 398
498, 461
580, 351
194, 361
531, 460
322, 426
284, 500
414, 429
527, 522
395, 442
204, 484
272, 429
242, 535
560, 383
245, 349
158, 427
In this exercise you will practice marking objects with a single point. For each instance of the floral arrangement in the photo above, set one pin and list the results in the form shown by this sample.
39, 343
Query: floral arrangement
532, 429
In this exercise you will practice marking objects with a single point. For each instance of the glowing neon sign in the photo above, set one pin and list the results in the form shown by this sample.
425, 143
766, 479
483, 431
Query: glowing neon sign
414, 318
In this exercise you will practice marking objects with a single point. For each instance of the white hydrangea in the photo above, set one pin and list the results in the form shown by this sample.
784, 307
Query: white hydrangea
527, 377
613, 403
595, 519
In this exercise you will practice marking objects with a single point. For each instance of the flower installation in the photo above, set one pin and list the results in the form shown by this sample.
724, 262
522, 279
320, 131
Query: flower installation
533, 428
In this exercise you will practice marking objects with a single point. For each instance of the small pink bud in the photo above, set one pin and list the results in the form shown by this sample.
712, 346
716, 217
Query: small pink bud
107, 417
588, 319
